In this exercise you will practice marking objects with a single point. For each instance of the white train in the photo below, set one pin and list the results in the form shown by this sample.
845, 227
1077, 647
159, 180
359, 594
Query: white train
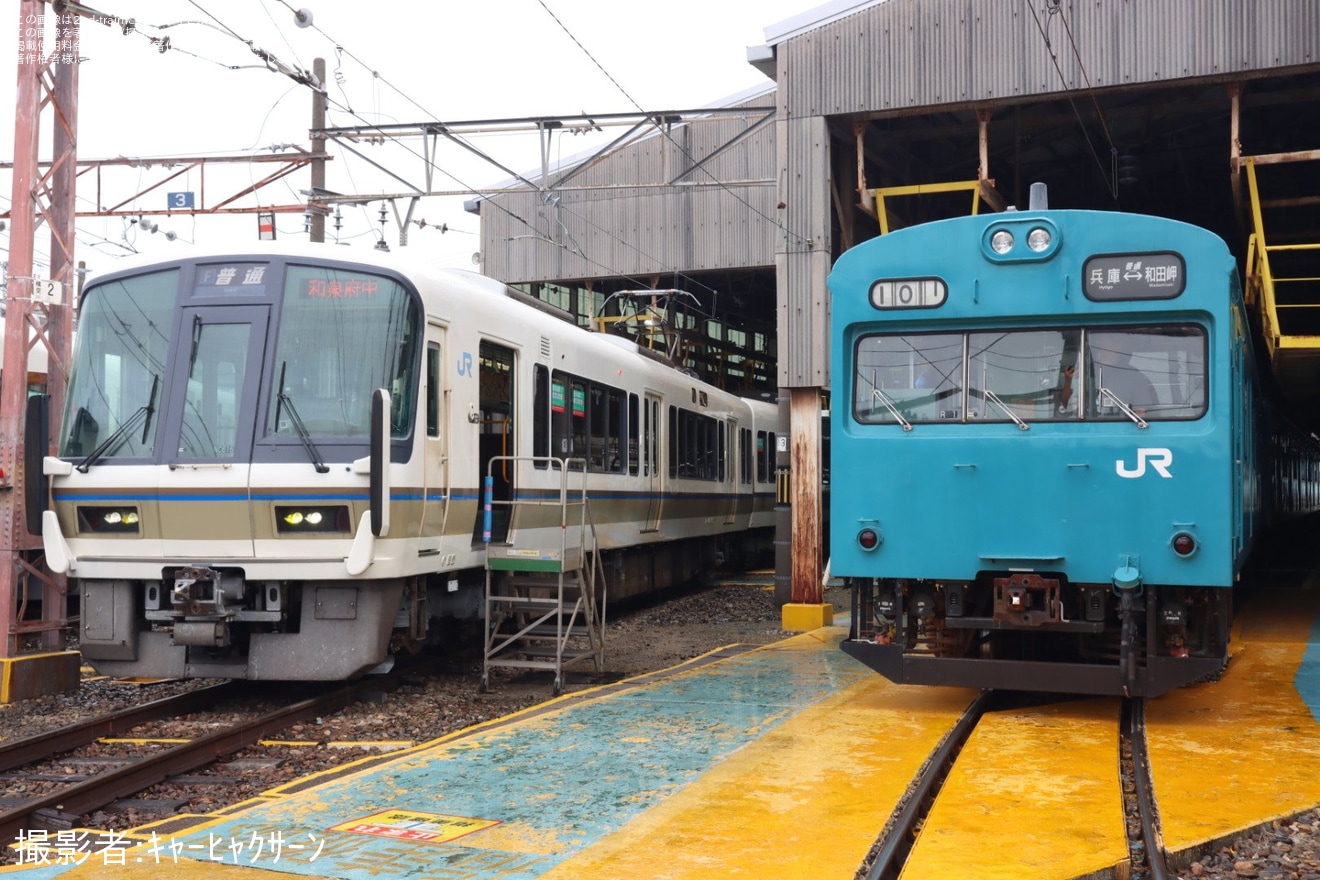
270, 461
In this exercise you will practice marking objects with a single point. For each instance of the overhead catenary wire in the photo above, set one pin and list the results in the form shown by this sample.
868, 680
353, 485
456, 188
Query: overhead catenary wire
1110, 184
300, 76
664, 132
574, 248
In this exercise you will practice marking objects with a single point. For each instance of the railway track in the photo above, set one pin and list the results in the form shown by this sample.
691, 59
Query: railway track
886, 858
1147, 859
1146, 852
61, 808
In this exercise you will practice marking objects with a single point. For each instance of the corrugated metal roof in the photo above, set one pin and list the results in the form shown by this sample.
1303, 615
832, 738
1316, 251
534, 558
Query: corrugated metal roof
896, 54
814, 18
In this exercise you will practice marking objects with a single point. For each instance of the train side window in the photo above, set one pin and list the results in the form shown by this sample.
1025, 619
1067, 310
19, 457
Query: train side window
597, 424
762, 456
540, 414
724, 451
580, 427
616, 428
648, 428
561, 421
745, 456
432, 389
633, 437
673, 441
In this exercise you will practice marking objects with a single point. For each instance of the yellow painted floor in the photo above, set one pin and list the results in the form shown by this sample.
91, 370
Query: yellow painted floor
1034, 793
1232, 754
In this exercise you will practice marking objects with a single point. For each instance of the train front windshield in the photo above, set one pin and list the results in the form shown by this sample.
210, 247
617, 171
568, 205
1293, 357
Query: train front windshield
168, 374
1031, 375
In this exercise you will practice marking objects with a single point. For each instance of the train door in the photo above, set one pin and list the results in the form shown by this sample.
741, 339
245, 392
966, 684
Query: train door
436, 455
651, 460
209, 420
1241, 428
495, 383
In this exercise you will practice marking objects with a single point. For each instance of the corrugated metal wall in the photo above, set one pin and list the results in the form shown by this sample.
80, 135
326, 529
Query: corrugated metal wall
619, 218
803, 259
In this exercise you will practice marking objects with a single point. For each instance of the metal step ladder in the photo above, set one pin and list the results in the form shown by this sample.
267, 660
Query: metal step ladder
545, 585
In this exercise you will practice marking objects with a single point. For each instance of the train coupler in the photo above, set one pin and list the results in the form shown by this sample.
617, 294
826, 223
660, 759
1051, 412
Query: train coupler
200, 591
1028, 600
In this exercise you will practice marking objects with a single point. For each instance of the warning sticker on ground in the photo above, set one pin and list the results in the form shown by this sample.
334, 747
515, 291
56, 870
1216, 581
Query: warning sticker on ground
418, 827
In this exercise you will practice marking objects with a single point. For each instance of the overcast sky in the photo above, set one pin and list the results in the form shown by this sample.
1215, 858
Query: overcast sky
403, 61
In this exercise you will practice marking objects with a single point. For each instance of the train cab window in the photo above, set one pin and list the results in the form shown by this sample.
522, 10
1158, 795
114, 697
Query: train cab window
343, 334
909, 378
1032, 375
125, 329
1154, 373
1026, 375
214, 394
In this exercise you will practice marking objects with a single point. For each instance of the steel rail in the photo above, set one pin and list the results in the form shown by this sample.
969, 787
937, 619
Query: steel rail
42, 746
896, 840
100, 790
1153, 839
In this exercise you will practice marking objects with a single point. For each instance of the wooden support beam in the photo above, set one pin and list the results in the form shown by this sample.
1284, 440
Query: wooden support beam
805, 463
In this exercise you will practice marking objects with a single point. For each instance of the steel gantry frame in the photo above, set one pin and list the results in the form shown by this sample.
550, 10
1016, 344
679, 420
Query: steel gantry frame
41, 313
178, 166
44, 81
636, 125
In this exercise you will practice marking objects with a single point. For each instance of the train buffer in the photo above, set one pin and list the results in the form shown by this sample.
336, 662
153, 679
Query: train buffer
545, 585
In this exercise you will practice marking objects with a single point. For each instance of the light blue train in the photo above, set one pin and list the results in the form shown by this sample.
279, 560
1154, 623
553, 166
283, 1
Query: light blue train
1051, 455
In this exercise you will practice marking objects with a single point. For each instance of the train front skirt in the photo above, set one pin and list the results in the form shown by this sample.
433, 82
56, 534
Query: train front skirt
1157, 676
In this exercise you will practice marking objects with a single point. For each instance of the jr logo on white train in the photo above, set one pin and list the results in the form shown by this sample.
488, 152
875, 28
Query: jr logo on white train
1157, 457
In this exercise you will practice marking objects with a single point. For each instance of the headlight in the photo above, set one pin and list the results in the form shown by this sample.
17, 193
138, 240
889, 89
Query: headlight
108, 520
1001, 242
1038, 239
302, 519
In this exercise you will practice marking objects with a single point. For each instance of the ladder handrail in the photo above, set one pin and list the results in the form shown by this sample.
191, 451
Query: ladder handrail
502, 608
1261, 282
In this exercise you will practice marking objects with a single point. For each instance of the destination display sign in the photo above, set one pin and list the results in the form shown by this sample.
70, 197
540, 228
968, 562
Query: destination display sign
909, 293
231, 279
1157, 275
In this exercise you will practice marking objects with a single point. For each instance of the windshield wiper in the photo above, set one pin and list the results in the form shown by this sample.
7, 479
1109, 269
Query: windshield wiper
144, 413
994, 398
286, 401
892, 407
1127, 410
